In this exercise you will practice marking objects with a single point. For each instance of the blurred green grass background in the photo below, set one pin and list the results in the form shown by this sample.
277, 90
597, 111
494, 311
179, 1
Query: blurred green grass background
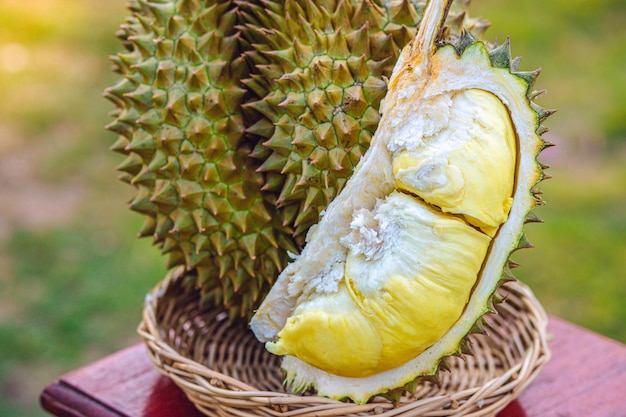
73, 274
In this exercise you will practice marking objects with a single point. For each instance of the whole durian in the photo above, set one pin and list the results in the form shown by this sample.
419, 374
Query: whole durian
405, 261
181, 125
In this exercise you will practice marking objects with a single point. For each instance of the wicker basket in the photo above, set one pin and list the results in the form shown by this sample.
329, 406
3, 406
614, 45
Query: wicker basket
225, 371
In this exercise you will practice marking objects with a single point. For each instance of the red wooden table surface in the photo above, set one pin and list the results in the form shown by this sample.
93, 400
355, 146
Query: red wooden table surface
585, 378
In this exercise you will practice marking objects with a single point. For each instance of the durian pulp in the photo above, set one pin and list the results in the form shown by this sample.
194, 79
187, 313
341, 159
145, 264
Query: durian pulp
413, 253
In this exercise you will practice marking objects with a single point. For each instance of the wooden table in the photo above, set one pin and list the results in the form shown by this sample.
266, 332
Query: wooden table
585, 378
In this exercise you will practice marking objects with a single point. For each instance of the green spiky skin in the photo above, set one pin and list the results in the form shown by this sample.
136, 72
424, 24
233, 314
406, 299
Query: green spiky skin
181, 127
321, 74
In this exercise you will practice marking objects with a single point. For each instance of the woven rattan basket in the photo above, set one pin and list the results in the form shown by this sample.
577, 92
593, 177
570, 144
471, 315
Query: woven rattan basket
225, 371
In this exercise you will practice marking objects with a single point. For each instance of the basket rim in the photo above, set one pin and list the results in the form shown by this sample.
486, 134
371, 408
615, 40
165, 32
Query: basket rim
215, 393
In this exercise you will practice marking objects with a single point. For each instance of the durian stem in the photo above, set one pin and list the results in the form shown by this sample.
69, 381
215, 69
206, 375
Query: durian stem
430, 30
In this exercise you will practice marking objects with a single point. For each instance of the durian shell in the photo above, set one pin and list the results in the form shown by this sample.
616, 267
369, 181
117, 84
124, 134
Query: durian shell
485, 67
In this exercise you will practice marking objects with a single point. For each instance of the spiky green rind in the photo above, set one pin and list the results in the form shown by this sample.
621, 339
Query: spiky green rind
181, 127
321, 71
499, 57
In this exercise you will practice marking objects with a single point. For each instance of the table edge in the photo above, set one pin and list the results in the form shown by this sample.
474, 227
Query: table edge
64, 400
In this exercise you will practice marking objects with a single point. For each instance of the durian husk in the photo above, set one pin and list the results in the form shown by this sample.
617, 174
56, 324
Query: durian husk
224, 371
480, 66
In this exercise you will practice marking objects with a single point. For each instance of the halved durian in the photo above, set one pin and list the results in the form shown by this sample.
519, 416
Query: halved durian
405, 261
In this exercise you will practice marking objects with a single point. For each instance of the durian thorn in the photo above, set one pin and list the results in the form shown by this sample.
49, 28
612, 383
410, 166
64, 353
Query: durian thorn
411, 387
433, 379
195, 259
275, 257
536, 93
528, 76
274, 163
201, 242
515, 64
249, 267
144, 177
296, 83
540, 131
314, 198
524, 243
161, 11
225, 264
507, 275
148, 227
478, 327
512, 264
241, 277
497, 298
394, 395
227, 291
342, 12
542, 113
288, 213
500, 55
132, 164
269, 237
465, 40
306, 217
531, 217
283, 56
444, 364
465, 347
325, 180
174, 259
203, 275
359, 42
302, 181
145, 21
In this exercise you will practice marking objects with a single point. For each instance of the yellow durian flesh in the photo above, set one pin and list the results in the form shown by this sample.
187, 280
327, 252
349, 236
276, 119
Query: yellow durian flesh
468, 168
393, 305
410, 268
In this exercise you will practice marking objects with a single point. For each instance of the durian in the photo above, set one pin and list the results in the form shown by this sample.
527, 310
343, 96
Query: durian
404, 262
181, 125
